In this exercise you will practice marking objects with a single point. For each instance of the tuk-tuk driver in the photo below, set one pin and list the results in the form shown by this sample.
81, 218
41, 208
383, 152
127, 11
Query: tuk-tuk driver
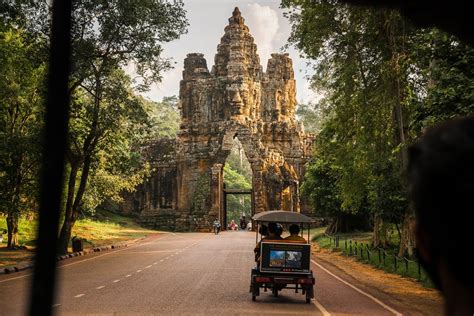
295, 234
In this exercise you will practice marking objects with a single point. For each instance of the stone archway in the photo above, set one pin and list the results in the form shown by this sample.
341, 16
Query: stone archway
253, 151
235, 99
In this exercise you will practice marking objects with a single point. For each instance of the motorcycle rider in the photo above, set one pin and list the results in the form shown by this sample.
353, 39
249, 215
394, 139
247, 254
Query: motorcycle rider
216, 226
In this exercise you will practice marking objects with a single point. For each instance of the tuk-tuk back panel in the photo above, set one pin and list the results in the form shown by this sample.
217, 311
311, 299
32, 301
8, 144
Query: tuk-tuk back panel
282, 257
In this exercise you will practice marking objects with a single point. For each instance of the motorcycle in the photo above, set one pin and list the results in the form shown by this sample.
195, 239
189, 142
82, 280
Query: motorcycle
217, 228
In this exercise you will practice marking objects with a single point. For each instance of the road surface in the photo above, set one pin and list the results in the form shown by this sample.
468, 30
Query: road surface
184, 274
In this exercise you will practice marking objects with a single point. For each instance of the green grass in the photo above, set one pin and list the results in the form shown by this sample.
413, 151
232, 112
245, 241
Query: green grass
104, 228
347, 245
316, 232
107, 227
27, 231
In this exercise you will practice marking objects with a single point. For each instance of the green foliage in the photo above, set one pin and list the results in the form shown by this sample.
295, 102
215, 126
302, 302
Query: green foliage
238, 175
237, 161
310, 116
111, 34
383, 81
164, 117
235, 180
320, 186
108, 121
444, 76
358, 130
21, 97
110, 129
237, 204
27, 228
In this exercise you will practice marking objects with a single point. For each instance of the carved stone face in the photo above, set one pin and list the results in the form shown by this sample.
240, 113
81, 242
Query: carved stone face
239, 98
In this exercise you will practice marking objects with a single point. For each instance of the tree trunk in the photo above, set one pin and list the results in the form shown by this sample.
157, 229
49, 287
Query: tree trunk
376, 235
13, 214
407, 241
12, 225
65, 234
395, 34
82, 186
380, 236
73, 203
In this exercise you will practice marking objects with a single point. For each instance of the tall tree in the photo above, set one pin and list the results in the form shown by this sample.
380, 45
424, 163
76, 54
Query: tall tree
106, 36
21, 97
361, 68
384, 82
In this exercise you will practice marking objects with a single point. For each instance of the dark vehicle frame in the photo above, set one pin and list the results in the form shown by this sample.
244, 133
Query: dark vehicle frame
279, 280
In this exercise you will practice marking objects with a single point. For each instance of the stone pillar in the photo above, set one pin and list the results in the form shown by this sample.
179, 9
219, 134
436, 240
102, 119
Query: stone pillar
258, 187
216, 191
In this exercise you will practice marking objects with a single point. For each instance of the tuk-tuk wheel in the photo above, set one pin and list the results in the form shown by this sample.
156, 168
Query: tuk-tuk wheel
275, 291
255, 290
309, 294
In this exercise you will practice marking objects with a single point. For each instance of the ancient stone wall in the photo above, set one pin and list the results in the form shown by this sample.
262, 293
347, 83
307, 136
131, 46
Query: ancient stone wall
235, 99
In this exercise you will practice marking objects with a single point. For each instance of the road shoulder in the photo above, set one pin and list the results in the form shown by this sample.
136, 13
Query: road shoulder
403, 294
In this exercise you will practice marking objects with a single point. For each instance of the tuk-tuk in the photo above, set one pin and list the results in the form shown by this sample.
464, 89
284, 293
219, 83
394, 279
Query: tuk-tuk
283, 264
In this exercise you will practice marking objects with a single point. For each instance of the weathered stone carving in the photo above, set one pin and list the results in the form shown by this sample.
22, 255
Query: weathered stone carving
235, 99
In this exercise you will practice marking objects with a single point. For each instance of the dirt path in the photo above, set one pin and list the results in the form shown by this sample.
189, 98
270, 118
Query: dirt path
407, 295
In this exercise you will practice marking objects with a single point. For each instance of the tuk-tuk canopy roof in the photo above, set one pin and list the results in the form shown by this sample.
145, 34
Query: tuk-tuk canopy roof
282, 217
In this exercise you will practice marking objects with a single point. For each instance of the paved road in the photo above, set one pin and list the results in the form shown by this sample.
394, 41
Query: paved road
183, 274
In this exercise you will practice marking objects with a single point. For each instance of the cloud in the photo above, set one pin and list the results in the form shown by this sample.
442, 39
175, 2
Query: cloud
264, 26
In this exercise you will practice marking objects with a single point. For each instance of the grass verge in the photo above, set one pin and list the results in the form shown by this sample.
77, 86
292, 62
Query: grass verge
103, 229
358, 246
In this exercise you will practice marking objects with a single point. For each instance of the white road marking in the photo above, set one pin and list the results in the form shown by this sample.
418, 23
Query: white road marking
100, 287
128, 275
155, 262
162, 260
376, 300
138, 271
149, 252
95, 257
115, 281
79, 295
147, 267
56, 305
176, 253
18, 277
320, 307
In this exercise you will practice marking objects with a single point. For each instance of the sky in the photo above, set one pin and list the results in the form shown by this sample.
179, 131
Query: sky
207, 19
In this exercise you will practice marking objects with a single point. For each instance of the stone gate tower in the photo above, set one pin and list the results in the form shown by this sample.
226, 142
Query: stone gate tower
234, 99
